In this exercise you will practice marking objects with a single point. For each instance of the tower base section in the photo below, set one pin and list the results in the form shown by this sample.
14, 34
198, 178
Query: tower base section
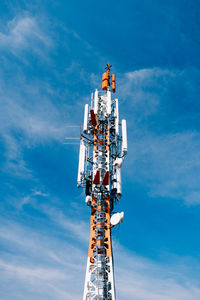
99, 279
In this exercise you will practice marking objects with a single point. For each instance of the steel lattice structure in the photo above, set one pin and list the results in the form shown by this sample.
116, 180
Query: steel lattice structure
102, 149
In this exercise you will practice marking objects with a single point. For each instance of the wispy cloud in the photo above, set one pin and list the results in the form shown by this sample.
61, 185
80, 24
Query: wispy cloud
142, 279
22, 33
46, 265
164, 146
174, 164
24, 125
29, 116
76, 228
143, 90
27, 111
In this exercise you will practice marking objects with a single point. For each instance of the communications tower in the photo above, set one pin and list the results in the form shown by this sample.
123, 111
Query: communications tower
103, 145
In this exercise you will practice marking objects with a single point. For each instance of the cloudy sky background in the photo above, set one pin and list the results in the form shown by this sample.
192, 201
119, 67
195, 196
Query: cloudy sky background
52, 56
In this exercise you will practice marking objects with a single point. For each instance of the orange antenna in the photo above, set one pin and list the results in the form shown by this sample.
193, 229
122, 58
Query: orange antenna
106, 79
113, 83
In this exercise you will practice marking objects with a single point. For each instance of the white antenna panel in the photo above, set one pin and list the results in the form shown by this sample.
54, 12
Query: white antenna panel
91, 100
96, 101
81, 165
116, 117
109, 102
124, 137
85, 124
119, 183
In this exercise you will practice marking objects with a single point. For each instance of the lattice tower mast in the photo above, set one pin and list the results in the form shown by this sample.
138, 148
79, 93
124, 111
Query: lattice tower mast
102, 149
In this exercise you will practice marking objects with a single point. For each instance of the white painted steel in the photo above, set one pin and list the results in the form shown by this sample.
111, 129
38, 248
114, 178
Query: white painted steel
124, 137
116, 117
92, 289
111, 278
87, 280
108, 102
81, 162
85, 124
96, 101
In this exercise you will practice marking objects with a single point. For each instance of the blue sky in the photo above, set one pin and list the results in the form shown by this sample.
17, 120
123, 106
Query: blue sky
52, 56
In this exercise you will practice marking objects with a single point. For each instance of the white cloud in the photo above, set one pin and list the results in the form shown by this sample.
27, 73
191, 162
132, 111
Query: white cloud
142, 90
168, 164
23, 33
142, 279
76, 229
36, 116
29, 116
19, 204
165, 158
39, 264
42, 274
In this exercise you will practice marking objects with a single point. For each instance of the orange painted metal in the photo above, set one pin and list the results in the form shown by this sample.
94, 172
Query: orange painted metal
107, 238
104, 85
113, 83
105, 76
106, 241
92, 233
105, 80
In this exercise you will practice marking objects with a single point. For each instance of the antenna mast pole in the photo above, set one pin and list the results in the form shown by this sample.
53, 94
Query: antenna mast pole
102, 150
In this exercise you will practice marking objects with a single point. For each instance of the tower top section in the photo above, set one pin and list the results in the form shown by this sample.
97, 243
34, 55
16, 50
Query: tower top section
106, 82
